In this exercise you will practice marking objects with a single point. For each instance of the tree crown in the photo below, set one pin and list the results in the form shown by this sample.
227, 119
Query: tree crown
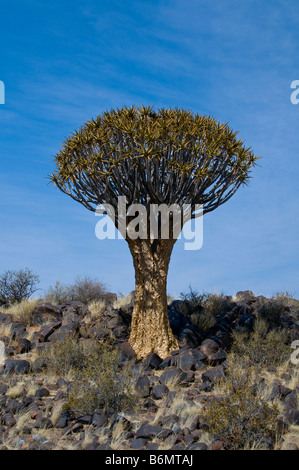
152, 156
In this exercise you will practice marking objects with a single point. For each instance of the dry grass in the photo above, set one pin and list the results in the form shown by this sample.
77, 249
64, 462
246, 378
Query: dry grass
97, 308
17, 390
22, 312
123, 301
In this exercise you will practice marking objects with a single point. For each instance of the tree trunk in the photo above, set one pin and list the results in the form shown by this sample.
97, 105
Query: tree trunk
150, 328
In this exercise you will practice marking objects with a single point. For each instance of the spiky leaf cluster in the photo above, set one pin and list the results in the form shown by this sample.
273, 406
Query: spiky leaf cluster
169, 156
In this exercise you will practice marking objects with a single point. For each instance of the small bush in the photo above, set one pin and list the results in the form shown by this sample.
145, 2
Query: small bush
64, 357
238, 415
16, 286
272, 311
264, 346
204, 321
206, 307
102, 383
86, 290
58, 294
97, 308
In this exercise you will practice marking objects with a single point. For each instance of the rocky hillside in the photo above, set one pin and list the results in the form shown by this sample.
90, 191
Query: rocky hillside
70, 380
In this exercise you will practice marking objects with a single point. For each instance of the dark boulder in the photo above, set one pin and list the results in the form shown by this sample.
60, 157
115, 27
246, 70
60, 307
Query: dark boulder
190, 337
16, 366
177, 320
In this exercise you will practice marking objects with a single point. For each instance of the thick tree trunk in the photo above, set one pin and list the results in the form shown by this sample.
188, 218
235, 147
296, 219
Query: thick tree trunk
150, 329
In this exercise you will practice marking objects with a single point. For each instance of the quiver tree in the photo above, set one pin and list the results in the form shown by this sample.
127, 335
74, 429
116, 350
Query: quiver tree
165, 156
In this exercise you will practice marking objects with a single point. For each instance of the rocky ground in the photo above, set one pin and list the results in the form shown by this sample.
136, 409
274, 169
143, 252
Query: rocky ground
172, 394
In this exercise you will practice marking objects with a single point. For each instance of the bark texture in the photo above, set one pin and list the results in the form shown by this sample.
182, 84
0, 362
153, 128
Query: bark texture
150, 328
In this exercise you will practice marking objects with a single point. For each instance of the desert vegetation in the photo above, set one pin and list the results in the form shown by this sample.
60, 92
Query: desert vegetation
71, 380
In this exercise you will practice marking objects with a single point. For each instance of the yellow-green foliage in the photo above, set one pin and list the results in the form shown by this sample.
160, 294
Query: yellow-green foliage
206, 307
102, 383
239, 416
63, 357
264, 346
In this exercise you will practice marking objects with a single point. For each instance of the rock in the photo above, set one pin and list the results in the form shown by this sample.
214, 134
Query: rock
78, 427
176, 428
245, 296
46, 311
292, 416
178, 447
165, 363
3, 389
8, 420
65, 331
99, 419
152, 361
214, 354
213, 375
177, 320
44, 423
40, 364
150, 405
247, 321
159, 391
61, 382
5, 318
173, 375
104, 447
16, 366
92, 446
190, 337
152, 446
46, 331
24, 345
17, 331
291, 400
185, 360
168, 421
148, 431
63, 420
198, 446
195, 423
208, 347
217, 357
143, 386
182, 306
138, 444
126, 350
42, 392
85, 419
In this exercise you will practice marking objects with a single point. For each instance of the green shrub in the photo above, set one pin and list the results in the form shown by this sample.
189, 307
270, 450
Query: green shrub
264, 346
86, 290
102, 383
16, 286
64, 357
58, 294
238, 416
272, 311
206, 307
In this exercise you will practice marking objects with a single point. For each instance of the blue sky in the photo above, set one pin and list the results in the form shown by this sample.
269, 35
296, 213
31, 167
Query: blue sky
65, 62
